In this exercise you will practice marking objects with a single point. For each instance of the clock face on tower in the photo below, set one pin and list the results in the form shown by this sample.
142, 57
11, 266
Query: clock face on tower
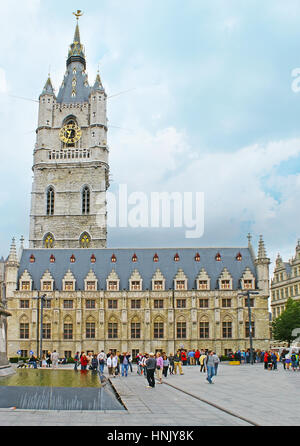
70, 133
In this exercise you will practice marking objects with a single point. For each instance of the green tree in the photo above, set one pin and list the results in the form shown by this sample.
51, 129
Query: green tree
289, 319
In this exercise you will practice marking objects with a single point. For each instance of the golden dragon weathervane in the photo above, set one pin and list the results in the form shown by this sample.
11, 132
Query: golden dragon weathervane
78, 14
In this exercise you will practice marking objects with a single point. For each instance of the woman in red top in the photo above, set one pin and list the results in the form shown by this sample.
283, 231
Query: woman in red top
266, 356
84, 362
183, 357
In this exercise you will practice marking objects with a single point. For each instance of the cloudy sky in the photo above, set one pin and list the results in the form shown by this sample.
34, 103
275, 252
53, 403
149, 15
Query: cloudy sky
213, 107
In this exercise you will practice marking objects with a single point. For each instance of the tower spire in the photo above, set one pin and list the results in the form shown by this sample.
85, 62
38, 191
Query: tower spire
76, 51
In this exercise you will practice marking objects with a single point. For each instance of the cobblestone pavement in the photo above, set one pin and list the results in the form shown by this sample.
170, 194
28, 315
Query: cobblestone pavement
260, 396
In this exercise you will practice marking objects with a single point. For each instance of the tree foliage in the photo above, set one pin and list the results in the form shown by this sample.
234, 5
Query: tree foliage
289, 319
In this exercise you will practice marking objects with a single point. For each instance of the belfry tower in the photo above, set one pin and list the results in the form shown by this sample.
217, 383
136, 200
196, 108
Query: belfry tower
70, 160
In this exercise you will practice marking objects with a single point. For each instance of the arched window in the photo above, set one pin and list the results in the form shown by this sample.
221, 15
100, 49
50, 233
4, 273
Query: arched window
85, 200
50, 201
85, 240
49, 241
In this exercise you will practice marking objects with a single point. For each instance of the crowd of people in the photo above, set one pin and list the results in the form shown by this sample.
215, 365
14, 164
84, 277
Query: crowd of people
161, 365
149, 365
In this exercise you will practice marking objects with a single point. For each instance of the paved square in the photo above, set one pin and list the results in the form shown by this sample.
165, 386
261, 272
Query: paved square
240, 396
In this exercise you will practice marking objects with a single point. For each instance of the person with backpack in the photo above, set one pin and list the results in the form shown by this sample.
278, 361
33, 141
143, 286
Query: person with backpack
210, 366
274, 360
216, 362
294, 360
151, 367
101, 361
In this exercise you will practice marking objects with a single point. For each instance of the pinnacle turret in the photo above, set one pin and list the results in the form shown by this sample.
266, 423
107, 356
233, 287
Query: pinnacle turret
48, 88
98, 84
261, 249
12, 258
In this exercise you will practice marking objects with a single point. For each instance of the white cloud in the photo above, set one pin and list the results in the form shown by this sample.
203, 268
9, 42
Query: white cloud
3, 82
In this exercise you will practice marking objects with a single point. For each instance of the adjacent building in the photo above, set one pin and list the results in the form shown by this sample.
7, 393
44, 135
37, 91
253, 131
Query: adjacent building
285, 282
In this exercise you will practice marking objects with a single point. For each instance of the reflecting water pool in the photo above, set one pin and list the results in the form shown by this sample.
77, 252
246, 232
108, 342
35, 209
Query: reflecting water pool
52, 378
42, 389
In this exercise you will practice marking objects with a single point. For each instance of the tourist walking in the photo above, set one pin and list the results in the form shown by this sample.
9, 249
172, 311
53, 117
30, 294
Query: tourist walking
144, 365
130, 361
210, 366
83, 362
76, 361
294, 361
124, 361
266, 360
139, 370
177, 363
54, 358
110, 365
197, 356
166, 364
183, 357
44, 362
48, 359
151, 366
274, 361
159, 367
32, 361
202, 362
101, 361
216, 362
171, 362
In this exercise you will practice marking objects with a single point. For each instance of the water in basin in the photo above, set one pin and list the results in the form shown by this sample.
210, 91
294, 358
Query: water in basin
42, 389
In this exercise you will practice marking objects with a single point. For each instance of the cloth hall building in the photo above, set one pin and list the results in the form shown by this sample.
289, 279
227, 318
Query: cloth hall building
96, 297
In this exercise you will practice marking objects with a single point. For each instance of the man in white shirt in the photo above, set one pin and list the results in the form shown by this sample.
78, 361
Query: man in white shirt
54, 358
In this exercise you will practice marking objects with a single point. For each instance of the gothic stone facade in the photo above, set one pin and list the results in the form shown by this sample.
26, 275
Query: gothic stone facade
122, 299
70, 161
137, 300
285, 282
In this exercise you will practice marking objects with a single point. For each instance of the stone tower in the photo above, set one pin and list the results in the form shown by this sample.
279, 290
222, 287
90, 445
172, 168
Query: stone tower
70, 161
262, 266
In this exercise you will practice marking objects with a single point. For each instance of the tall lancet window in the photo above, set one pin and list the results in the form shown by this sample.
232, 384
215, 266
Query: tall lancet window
85, 200
85, 240
50, 201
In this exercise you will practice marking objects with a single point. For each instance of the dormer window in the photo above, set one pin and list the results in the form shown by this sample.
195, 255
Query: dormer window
202, 284
113, 285
239, 257
32, 258
158, 285
93, 258
180, 285
197, 257
46, 285
134, 258
155, 258
113, 259
52, 259
72, 258
135, 285
225, 284
248, 284
91, 286
176, 258
25, 285
218, 257
69, 286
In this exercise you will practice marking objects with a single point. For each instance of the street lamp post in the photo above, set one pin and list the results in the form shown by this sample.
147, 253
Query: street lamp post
41, 308
247, 293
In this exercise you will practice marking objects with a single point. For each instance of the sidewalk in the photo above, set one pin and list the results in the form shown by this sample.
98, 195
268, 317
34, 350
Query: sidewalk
262, 396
